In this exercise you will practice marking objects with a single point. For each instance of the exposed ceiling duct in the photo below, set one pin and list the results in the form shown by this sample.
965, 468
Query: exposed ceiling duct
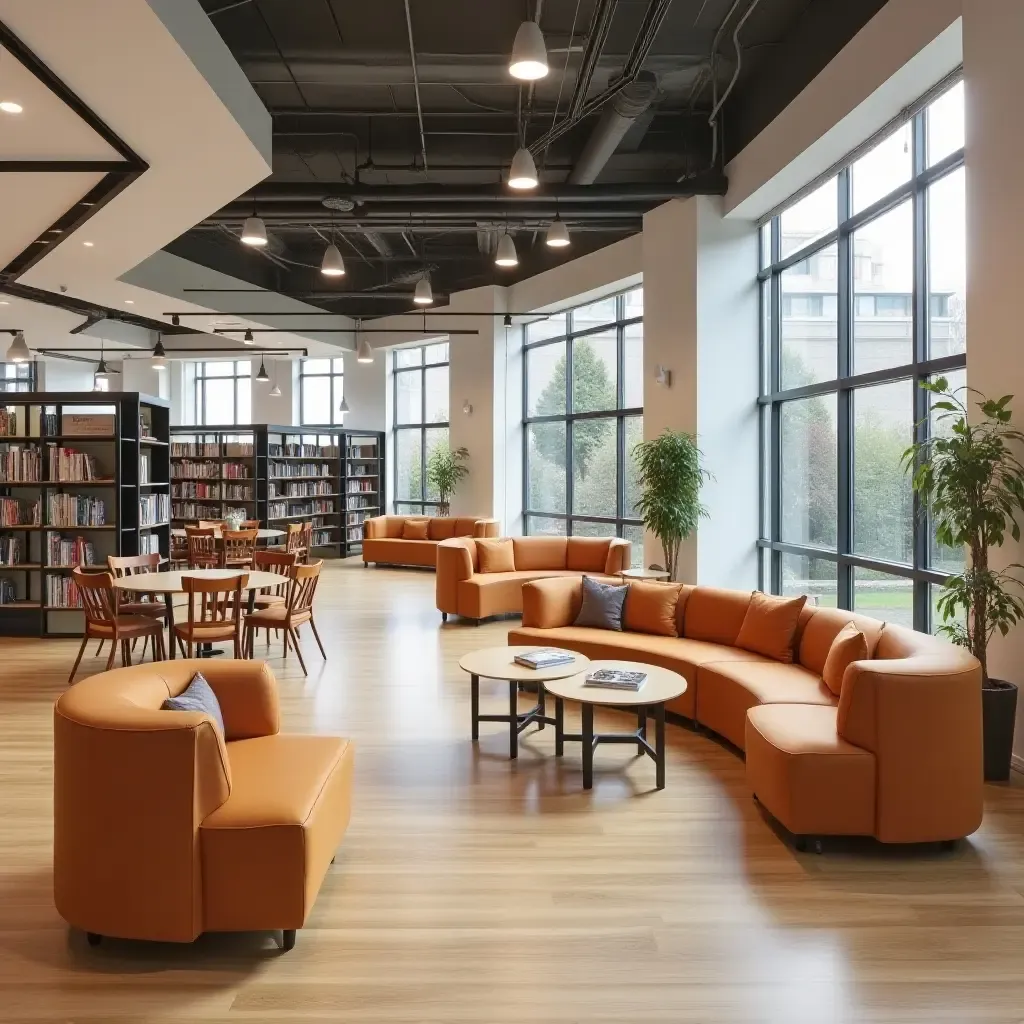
618, 117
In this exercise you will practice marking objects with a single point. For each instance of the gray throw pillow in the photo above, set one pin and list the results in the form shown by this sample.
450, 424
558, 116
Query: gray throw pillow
603, 604
198, 697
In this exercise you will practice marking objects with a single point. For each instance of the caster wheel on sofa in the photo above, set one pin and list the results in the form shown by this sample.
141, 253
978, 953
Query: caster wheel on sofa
288, 939
93, 939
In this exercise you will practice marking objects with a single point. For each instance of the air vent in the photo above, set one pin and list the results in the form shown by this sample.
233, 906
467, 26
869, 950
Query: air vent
341, 204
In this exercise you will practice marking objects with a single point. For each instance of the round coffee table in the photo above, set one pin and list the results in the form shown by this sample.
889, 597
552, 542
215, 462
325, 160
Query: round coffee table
644, 574
660, 686
500, 663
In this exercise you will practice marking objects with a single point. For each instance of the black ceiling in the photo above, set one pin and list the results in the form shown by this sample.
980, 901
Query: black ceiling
338, 78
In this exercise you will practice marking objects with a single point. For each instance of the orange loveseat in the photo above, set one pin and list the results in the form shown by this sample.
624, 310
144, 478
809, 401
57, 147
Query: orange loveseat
897, 755
462, 589
164, 830
383, 541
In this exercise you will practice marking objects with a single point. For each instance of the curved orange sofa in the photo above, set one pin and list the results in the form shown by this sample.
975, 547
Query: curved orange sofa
164, 829
462, 589
383, 541
897, 756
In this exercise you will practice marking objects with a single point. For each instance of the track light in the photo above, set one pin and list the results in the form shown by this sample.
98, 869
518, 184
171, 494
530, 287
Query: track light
175, 320
247, 338
506, 255
423, 296
159, 358
529, 59
19, 351
262, 376
344, 405
254, 231
364, 353
333, 265
523, 172
558, 234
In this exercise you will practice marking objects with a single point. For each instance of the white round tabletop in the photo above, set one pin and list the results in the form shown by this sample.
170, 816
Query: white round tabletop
170, 582
499, 663
261, 534
659, 686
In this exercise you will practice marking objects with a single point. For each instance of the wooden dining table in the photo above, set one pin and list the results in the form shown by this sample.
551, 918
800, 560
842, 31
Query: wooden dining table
168, 584
261, 534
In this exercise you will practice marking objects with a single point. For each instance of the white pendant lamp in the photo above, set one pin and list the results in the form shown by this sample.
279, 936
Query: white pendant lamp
523, 172
333, 265
558, 234
19, 351
263, 376
423, 296
343, 408
275, 391
159, 358
529, 59
364, 354
254, 231
506, 255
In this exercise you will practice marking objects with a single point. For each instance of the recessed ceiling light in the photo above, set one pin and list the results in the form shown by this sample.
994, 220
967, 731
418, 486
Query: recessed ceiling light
10, 107
129, 302
88, 245
4, 302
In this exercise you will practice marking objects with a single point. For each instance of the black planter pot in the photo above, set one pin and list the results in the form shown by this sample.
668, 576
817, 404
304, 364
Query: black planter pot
998, 711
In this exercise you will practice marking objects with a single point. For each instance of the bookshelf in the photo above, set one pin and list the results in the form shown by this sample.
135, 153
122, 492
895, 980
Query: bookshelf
364, 484
213, 473
83, 475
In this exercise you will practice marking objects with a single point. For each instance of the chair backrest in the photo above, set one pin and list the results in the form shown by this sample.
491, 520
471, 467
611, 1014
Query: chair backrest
202, 546
99, 596
281, 562
304, 581
251, 524
293, 538
132, 565
212, 524
214, 602
305, 540
238, 545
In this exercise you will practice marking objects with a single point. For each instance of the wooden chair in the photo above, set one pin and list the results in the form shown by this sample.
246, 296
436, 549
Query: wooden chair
293, 540
305, 541
141, 604
202, 547
237, 548
212, 524
280, 562
288, 617
104, 621
251, 524
179, 552
214, 612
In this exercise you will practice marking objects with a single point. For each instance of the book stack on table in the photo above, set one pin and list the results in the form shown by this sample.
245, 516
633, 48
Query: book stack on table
545, 657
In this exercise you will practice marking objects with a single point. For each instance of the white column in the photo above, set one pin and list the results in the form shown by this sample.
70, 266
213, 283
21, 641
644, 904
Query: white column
141, 375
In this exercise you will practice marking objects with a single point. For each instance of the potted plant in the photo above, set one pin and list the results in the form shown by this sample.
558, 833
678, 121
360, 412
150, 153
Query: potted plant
445, 468
670, 474
968, 477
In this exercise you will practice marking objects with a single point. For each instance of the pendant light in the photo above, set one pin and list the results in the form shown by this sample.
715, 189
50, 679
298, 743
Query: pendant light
247, 338
262, 376
558, 234
101, 371
364, 354
332, 265
506, 254
343, 408
423, 296
19, 350
159, 358
254, 231
529, 59
522, 174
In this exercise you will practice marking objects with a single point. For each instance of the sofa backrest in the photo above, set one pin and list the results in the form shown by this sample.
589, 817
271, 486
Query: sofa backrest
539, 553
715, 615
819, 627
440, 528
587, 554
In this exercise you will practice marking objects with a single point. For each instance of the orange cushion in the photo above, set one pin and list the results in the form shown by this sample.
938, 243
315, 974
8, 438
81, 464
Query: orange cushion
651, 608
715, 615
440, 528
587, 554
414, 529
770, 625
496, 555
850, 645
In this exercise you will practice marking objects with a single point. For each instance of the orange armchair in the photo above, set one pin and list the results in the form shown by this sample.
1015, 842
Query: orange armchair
163, 829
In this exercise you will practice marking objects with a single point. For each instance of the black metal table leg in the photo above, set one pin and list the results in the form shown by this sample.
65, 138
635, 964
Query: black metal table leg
588, 746
659, 743
513, 720
641, 728
559, 726
541, 704
474, 704
169, 605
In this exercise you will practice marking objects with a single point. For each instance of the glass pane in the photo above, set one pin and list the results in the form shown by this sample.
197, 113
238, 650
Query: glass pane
950, 560
808, 471
243, 368
408, 398
946, 124
243, 386
316, 366
635, 536
885, 597
882, 170
634, 426
594, 372
584, 529
435, 436
339, 364
594, 467
551, 327
594, 315
947, 266
408, 357
766, 336
936, 622
541, 526
810, 322
436, 384
409, 471
220, 400
883, 291
316, 399
545, 461
765, 245
634, 303
633, 367
218, 369
545, 380
436, 353
815, 215
818, 578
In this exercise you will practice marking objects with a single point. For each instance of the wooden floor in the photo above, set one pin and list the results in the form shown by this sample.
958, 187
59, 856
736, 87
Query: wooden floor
471, 889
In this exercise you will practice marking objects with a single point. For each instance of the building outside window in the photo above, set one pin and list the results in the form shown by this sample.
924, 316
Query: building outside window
17, 377
882, 243
220, 391
321, 388
582, 416
420, 378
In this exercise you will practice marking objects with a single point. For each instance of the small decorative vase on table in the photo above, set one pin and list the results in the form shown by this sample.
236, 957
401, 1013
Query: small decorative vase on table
234, 519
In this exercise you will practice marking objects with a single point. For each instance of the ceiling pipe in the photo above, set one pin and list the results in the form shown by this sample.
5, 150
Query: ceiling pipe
617, 118
416, 83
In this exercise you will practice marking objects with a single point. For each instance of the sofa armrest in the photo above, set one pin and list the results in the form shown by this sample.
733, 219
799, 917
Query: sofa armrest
552, 602
619, 556
486, 528
247, 694
375, 527
456, 561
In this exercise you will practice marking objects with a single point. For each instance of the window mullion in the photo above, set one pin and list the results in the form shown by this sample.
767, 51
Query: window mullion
844, 398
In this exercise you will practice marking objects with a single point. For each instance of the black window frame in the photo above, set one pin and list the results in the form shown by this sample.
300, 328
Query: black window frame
26, 375
337, 379
199, 383
619, 414
846, 383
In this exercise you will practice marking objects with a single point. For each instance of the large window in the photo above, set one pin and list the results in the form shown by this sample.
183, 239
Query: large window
582, 416
17, 377
863, 284
222, 391
321, 388
421, 422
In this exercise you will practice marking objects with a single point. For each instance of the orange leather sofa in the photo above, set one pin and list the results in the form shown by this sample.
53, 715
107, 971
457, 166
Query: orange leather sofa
897, 756
463, 590
383, 542
164, 830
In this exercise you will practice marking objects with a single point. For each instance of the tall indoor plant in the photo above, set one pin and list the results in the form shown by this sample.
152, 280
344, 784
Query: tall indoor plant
970, 479
670, 474
445, 470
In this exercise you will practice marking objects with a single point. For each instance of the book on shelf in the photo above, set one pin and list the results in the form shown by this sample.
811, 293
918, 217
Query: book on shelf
195, 489
321, 538
10, 422
615, 679
195, 450
301, 451
544, 657
186, 469
192, 511
144, 469
237, 492
20, 464
67, 552
361, 451
283, 470
49, 424
149, 544
235, 471
361, 486
154, 509
74, 510
17, 512
306, 489
62, 592
238, 449
67, 465
8, 591
11, 551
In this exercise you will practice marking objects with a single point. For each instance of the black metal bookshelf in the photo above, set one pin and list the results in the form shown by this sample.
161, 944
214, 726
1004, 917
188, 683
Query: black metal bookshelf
213, 473
83, 475
364, 484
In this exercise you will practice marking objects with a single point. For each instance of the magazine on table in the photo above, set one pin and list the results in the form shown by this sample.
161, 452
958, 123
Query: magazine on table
545, 657
615, 679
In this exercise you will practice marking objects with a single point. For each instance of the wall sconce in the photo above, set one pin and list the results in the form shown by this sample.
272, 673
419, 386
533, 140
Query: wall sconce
663, 376
467, 408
